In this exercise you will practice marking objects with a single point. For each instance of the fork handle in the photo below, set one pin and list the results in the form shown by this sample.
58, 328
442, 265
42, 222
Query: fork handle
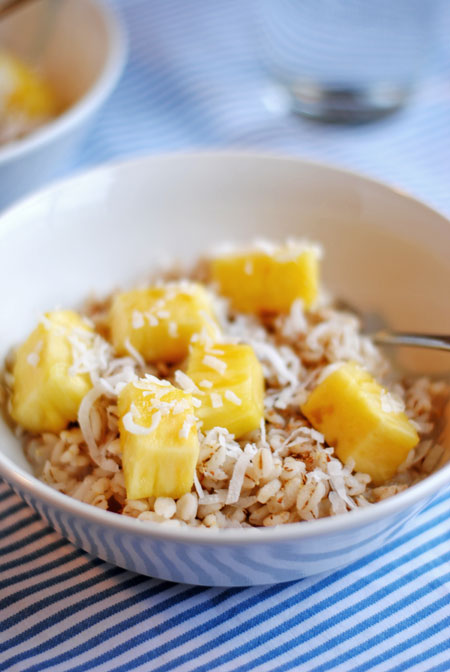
433, 341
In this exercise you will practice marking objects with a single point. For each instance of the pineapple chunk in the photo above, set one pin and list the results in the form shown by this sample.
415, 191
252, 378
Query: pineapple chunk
159, 440
268, 282
231, 387
24, 91
46, 397
362, 421
159, 322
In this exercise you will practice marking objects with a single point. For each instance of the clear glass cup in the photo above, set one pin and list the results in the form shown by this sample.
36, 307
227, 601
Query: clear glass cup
345, 60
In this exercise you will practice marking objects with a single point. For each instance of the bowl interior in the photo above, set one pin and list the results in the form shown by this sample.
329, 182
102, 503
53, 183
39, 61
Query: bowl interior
68, 40
384, 252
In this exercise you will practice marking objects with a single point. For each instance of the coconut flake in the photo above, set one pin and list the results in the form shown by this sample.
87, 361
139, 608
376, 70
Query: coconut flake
214, 363
216, 400
84, 421
248, 267
173, 329
137, 319
142, 383
198, 485
180, 406
134, 428
134, 353
187, 426
336, 475
186, 383
152, 319
295, 323
390, 403
205, 384
33, 358
237, 479
267, 352
233, 398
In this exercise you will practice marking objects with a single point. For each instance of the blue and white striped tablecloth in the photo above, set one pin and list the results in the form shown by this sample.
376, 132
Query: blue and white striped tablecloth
192, 82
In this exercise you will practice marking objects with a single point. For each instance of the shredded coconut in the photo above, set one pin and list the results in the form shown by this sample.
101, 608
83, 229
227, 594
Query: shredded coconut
137, 319
133, 428
173, 329
134, 353
185, 382
233, 398
151, 319
214, 363
390, 403
237, 479
33, 358
216, 400
281, 472
188, 423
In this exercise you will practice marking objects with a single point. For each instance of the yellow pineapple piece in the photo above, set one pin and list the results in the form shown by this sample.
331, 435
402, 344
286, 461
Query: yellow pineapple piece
231, 386
268, 281
159, 322
46, 394
159, 440
361, 420
24, 90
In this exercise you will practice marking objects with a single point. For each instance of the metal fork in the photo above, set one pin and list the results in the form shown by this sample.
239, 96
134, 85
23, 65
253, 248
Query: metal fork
374, 327
411, 339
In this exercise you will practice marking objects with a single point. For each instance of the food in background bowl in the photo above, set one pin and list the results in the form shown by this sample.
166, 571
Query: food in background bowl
78, 47
233, 395
26, 100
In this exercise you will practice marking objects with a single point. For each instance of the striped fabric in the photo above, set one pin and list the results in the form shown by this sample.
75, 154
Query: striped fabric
194, 81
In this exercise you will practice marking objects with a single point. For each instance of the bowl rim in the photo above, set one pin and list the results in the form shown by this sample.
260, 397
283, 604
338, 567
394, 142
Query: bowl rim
91, 100
23, 481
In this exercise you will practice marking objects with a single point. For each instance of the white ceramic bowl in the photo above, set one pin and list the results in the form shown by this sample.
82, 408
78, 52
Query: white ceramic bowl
384, 251
82, 58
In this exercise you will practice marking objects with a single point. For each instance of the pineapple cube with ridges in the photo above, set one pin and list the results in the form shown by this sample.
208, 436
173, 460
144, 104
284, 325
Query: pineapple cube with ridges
231, 386
362, 421
158, 436
159, 322
268, 282
46, 393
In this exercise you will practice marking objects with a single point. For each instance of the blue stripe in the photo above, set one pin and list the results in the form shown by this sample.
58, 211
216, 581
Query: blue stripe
15, 508
296, 620
428, 653
30, 590
26, 541
56, 597
68, 611
186, 636
261, 597
114, 631
16, 527
375, 620
42, 569
281, 606
31, 557
445, 665
6, 495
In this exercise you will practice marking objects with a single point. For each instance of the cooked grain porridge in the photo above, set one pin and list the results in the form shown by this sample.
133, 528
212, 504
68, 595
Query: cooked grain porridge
150, 372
